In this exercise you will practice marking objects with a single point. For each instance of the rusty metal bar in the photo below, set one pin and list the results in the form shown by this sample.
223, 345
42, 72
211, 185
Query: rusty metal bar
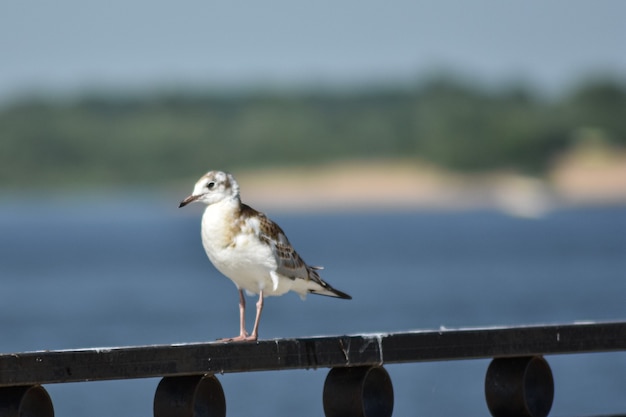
46, 367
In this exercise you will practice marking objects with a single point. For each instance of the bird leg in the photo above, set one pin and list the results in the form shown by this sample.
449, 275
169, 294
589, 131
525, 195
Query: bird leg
257, 320
243, 334
242, 315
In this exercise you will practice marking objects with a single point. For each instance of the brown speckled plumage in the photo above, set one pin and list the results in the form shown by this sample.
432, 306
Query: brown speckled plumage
250, 249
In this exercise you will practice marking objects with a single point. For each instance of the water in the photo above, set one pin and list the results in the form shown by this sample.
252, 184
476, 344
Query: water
131, 271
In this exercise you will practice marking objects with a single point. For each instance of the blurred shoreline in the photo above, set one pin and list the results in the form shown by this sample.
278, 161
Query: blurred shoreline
586, 176
590, 176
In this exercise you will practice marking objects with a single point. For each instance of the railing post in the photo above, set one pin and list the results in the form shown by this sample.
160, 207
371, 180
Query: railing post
362, 391
25, 401
519, 387
189, 396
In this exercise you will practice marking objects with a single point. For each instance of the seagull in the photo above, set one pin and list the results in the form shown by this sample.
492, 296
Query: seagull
250, 249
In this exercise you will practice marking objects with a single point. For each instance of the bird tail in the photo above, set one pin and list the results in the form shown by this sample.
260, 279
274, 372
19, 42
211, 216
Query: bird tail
319, 286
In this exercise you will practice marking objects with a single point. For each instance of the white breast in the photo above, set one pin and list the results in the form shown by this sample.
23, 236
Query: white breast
236, 251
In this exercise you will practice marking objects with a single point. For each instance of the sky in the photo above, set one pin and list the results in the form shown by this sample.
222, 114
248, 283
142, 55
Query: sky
70, 46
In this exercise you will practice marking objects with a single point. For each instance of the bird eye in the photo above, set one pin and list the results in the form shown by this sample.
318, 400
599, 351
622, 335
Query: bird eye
210, 185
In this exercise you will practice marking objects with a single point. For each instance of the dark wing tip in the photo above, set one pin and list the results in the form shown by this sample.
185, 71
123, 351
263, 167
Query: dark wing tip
313, 275
335, 293
342, 295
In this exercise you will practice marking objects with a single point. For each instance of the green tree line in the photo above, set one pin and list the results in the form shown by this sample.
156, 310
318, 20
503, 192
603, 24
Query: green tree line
151, 138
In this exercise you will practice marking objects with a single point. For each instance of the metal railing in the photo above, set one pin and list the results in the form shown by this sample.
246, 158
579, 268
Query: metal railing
518, 381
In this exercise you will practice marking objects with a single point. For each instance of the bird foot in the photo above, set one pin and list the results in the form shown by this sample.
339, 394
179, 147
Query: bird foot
240, 338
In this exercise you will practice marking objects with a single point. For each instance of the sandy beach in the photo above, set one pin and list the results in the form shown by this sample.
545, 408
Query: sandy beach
579, 178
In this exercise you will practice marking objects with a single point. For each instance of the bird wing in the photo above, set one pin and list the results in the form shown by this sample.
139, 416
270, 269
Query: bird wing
288, 262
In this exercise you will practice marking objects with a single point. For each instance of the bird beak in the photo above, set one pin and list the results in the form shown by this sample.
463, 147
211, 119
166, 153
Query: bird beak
188, 200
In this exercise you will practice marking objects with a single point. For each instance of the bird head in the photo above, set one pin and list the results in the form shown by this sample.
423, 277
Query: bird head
213, 187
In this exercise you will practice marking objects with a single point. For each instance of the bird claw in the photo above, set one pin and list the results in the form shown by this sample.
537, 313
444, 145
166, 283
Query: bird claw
240, 338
